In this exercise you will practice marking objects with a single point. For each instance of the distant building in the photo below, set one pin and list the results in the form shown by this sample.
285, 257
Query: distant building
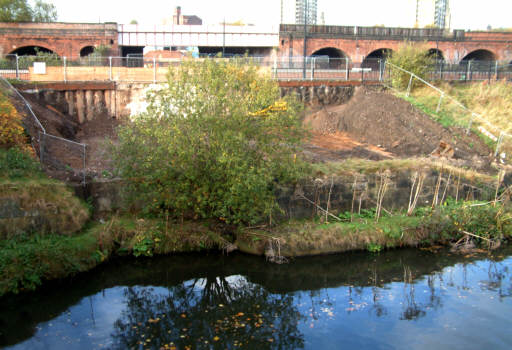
442, 15
292, 11
306, 9
433, 13
179, 18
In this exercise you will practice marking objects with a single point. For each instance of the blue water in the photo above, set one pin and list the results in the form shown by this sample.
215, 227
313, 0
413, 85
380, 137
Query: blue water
407, 299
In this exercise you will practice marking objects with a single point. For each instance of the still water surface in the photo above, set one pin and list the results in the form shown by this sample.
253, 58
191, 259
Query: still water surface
407, 299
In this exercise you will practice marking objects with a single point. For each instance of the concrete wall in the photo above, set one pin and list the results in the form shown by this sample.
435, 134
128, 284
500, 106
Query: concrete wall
84, 101
108, 196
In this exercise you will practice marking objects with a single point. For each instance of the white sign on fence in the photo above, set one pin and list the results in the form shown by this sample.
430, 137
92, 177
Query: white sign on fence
39, 67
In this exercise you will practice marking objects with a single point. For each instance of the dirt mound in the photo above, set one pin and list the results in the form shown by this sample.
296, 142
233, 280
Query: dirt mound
383, 120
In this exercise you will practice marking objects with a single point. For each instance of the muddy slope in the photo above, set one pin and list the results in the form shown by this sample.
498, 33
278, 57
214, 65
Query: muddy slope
381, 119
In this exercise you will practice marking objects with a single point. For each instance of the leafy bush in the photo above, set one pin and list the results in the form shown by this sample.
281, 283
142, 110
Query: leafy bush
214, 143
15, 163
11, 130
413, 58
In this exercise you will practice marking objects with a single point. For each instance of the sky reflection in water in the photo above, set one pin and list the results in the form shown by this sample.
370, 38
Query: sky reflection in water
394, 300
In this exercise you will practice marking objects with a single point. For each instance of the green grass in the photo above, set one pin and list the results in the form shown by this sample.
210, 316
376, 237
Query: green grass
492, 101
15, 165
26, 261
427, 226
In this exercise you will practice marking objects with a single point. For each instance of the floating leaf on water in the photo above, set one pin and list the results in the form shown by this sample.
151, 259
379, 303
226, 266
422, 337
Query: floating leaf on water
216, 338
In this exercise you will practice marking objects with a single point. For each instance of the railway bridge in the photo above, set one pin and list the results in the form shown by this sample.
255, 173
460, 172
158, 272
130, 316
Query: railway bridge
356, 44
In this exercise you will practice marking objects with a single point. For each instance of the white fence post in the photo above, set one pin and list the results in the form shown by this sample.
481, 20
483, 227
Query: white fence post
65, 70
470, 123
110, 68
498, 144
439, 103
409, 86
17, 67
346, 67
312, 67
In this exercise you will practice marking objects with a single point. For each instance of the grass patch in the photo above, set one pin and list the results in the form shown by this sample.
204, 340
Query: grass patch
26, 261
39, 206
16, 164
492, 101
441, 225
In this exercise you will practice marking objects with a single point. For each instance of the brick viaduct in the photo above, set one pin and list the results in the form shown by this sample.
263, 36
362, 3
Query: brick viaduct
64, 39
356, 43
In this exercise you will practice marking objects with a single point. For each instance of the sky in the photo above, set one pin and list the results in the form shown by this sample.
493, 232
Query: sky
466, 14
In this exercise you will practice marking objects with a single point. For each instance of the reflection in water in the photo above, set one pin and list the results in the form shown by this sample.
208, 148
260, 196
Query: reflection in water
391, 300
208, 311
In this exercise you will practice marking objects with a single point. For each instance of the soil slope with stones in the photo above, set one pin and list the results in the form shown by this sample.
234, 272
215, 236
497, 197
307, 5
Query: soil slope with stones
379, 121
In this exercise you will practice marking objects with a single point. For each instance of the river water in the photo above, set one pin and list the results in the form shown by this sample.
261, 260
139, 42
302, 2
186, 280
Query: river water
404, 299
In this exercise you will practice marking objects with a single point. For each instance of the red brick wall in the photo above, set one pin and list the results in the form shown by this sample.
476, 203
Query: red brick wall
65, 39
357, 49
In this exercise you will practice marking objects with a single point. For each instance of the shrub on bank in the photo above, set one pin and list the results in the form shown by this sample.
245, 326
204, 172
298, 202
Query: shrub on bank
11, 131
213, 143
412, 57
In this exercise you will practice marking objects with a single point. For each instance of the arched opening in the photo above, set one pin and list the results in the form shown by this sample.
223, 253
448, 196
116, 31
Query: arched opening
436, 54
86, 51
375, 57
31, 51
480, 55
329, 57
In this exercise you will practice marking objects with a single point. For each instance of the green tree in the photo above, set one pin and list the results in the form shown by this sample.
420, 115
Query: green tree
412, 57
21, 11
213, 143
44, 12
15, 11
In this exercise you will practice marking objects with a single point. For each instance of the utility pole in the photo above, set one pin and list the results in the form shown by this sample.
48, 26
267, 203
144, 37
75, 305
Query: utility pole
305, 37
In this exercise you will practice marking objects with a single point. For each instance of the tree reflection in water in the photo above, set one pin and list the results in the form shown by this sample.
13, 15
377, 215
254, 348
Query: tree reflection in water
213, 312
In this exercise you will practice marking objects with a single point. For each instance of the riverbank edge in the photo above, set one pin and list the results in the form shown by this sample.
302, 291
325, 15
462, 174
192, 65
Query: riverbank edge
27, 262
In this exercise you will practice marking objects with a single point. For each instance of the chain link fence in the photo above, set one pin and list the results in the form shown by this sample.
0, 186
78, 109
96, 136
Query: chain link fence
461, 115
55, 153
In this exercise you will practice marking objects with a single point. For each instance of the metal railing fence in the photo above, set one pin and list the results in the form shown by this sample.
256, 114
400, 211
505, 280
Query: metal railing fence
137, 68
445, 103
54, 152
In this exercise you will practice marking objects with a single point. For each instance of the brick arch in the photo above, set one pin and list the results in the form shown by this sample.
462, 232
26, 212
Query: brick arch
30, 50
332, 52
480, 55
381, 52
86, 50
34, 43
436, 54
